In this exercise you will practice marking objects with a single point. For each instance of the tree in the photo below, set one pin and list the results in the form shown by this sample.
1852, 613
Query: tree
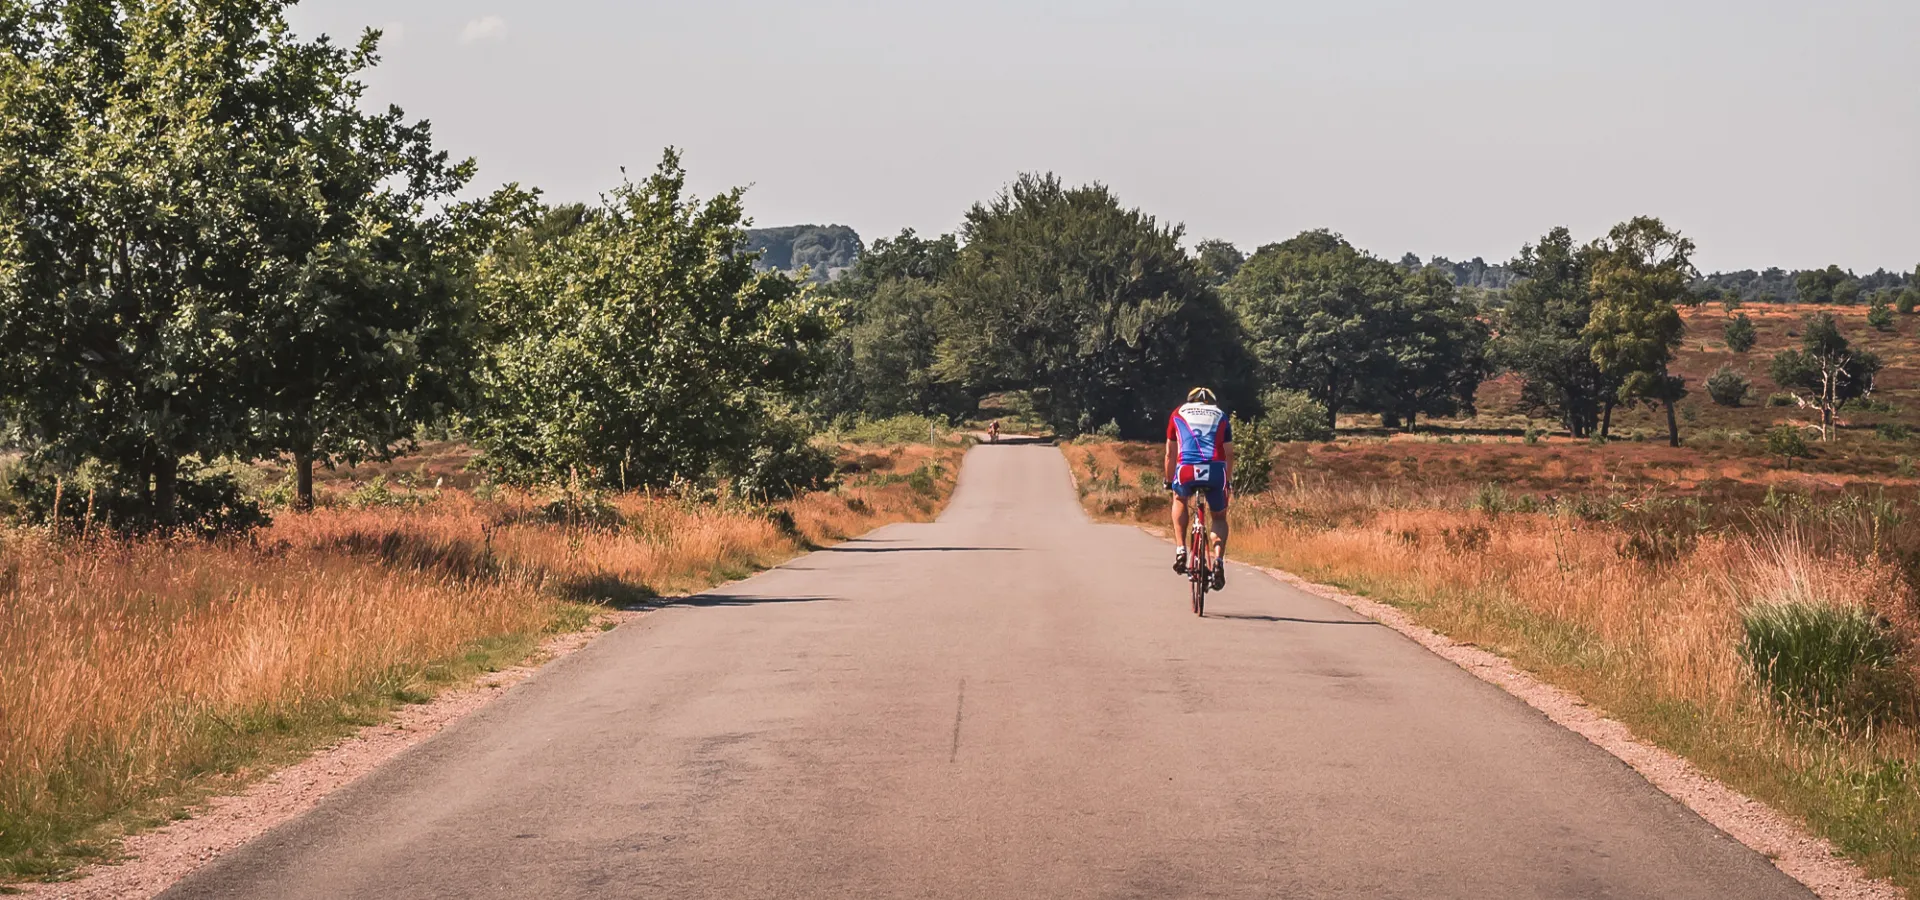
1312, 310
1219, 261
1740, 333
366, 326
1541, 335
1433, 352
1641, 270
1827, 367
1880, 314
882, 363
142, 146
642, 346
1908, 299
1092, 307
1824, 286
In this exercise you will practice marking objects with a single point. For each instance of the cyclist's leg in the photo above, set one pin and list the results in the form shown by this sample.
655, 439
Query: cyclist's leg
1181, 493
1217, 504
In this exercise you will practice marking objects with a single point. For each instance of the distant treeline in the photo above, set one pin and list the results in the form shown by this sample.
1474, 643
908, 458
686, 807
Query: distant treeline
829, 251
825, 251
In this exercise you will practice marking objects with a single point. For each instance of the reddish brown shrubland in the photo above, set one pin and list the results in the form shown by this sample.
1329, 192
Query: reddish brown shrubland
131, 673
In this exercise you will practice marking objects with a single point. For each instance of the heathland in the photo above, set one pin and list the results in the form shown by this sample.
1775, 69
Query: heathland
1750, 612
226, 285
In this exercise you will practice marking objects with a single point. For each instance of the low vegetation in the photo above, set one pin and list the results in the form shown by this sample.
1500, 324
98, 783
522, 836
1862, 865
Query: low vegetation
1770, 634
137, 676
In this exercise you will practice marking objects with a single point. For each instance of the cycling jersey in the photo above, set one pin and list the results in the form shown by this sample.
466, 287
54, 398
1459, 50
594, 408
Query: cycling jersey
1202, 430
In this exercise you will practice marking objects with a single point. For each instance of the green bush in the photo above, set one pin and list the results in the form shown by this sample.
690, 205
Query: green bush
207, 503
1819, 659
907, 429
380, 492
1786, 442
1740, 334
1781, 399
783, 463
1907, 301
1294, 416
1893, 431
1252, 456
1728, 386
1880, 316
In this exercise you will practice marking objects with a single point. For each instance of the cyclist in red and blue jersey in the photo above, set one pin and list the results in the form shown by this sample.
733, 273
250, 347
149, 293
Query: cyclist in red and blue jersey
1199, 450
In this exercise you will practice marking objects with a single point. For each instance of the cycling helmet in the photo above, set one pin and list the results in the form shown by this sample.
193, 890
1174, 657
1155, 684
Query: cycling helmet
1201, 395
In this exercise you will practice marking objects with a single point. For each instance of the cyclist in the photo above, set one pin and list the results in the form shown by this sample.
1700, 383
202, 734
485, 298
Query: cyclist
993, 432
1199, 450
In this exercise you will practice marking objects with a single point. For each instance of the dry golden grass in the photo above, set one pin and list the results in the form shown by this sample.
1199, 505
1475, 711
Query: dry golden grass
1643, 625
136, 676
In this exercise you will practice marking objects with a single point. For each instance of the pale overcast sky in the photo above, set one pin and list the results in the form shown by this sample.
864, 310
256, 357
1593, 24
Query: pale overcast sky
1773, 133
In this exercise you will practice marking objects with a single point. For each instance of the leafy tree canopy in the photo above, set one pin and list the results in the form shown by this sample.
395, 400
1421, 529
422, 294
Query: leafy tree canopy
1092, 306
640, 347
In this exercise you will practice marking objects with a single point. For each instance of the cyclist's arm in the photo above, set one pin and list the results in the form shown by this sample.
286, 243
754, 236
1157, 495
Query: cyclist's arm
1226, 453
1171, 463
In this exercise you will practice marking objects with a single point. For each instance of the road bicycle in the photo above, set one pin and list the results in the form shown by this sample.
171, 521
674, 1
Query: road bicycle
1200, 562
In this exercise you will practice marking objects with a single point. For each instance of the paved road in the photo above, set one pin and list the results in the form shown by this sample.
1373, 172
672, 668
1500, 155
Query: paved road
1010, 703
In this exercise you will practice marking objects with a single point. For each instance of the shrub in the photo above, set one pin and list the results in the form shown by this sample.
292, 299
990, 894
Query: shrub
784, 463
1893, 431
1252, 456
1907, 301
1880, 316
207, 504
1294, 416
1817, 658
1782, 399
1490, 499
1740, 334
1786, 442
1728, 386
1533, 435
907, 429
379, 492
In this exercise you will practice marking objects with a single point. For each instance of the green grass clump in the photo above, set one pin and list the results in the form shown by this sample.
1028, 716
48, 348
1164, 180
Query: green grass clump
1816, 658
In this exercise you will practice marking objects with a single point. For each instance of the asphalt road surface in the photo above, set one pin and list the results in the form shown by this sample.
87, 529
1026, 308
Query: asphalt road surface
1008, 703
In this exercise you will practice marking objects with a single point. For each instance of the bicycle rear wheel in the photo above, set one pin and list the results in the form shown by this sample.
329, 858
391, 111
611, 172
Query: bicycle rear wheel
1199, 562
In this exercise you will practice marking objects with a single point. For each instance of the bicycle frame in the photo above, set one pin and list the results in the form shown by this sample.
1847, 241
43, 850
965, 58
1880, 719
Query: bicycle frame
1199, 551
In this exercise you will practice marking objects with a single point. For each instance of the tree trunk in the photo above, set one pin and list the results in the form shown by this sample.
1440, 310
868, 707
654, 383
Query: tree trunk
1673, 425
1413, 420
303, 480
166, 473
1826, 422
1606, 420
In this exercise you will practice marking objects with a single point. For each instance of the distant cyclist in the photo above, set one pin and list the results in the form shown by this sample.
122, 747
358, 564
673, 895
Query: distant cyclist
1199, 450
993, 432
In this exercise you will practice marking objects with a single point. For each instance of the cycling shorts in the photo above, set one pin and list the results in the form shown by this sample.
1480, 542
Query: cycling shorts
1209, 477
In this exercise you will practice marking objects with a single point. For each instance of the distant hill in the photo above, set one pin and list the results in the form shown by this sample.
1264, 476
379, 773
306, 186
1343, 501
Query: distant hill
827, 250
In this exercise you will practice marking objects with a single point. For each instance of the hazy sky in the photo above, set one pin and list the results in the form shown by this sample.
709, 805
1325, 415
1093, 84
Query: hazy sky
1773, 133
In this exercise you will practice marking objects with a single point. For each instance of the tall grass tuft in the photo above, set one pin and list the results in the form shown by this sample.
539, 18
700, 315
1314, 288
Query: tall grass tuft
1825, 661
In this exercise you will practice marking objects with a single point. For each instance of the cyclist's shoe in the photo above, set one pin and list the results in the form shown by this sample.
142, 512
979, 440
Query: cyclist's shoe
1180, 561
1220, 576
